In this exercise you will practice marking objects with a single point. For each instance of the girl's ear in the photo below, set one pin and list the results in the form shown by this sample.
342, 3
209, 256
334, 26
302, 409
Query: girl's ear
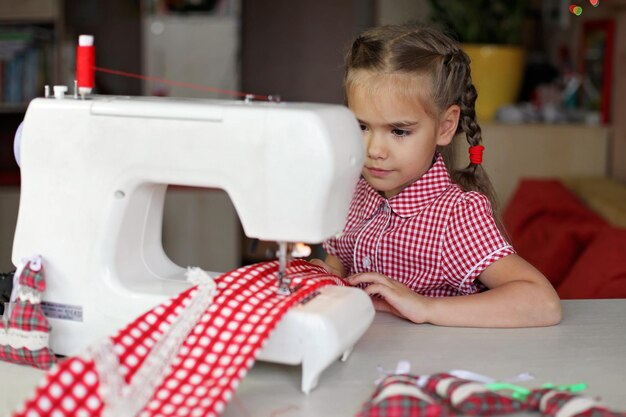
448, 125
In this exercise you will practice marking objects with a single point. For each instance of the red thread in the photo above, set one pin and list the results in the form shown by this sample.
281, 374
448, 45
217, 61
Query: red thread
476, 154
242, 407
292, 407
182, 84
85, 66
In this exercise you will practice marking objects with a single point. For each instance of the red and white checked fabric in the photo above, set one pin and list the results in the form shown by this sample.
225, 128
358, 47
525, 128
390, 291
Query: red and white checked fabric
445, 395
433, 237
471, 398
552, 403
184, 357
402, 396
24, 330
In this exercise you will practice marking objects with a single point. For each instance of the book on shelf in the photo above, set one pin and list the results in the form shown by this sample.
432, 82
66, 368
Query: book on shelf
26, 63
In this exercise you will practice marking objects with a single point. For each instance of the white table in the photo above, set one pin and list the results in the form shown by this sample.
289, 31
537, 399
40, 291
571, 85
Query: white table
588, 346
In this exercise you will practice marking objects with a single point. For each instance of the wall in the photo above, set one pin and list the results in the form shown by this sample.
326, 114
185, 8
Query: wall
618, 146
196, 49
398, 12
9, 202
513, 152
296, 49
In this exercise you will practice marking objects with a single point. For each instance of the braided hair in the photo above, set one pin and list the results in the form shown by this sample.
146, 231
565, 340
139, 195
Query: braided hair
419, 51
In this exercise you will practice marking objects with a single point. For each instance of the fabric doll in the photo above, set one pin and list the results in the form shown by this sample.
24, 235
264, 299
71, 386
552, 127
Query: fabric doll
24, 331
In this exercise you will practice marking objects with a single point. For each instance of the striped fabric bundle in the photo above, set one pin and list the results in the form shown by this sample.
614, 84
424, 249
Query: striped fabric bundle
553, 402
402, 396
472, 398
445, 395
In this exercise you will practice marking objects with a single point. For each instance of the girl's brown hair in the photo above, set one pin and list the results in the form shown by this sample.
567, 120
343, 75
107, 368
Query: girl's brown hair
412, 50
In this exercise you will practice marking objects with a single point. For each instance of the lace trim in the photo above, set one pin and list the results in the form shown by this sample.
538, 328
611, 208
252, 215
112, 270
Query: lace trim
28, 294
18, 339
122, 400
16, 282
470, 388
35, 265
577, 406
399, 389
107, 365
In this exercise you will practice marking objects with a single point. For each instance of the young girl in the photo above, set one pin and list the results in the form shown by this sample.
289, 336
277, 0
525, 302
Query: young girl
425, 246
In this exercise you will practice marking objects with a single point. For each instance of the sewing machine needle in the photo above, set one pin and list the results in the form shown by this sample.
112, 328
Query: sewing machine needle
283, 281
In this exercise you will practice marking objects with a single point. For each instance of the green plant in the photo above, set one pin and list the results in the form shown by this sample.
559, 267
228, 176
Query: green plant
481, 21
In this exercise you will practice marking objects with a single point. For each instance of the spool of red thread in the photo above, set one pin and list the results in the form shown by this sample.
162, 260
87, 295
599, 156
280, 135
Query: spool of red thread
85, 64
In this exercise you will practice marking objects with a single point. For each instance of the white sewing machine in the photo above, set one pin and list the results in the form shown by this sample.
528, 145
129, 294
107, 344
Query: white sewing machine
94, 177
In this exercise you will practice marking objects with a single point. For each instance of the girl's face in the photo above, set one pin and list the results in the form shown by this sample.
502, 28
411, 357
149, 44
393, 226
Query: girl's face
400, 137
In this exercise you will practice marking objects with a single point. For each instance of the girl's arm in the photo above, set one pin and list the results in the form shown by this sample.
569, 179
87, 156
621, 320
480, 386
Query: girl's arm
518, 296
332, 264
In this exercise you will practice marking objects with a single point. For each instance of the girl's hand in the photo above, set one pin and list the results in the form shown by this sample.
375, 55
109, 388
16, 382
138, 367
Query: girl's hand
392, 296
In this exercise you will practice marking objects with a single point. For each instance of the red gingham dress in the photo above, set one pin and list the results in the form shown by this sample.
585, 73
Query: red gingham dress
433, 237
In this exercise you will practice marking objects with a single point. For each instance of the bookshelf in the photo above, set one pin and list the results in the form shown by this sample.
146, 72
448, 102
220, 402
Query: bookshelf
30, 57
30, 34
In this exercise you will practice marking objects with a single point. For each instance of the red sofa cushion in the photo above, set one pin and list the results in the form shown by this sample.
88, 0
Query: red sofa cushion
549, 226
600, 272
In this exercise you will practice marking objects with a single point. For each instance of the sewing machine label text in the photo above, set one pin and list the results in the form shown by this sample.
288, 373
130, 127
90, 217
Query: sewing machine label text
62, 311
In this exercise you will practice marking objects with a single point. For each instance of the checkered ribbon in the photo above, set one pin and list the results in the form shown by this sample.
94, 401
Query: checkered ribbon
439, 395
553, 403
446, 395
401, 396
24, 330
471, 398
213, 356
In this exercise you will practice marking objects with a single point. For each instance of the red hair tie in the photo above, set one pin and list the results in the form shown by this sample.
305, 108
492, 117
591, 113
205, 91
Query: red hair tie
476, 154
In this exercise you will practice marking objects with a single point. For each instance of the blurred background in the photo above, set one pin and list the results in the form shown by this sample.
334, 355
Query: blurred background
559, 113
